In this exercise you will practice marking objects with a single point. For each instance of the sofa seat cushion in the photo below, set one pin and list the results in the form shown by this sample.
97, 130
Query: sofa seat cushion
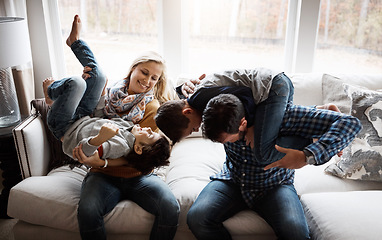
344, 215
192, 162
313, 179
52, 201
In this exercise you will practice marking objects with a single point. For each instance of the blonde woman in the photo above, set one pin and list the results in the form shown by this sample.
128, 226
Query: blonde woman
135, 98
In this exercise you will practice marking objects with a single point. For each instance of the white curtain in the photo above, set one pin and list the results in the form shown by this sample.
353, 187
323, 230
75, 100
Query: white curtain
23, 74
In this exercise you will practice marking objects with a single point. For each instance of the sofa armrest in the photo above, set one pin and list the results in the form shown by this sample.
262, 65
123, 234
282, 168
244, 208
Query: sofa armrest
32, 147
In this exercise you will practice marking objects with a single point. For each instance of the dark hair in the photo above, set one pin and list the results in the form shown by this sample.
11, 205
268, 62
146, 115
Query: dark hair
170, 119
222, 114
152, 156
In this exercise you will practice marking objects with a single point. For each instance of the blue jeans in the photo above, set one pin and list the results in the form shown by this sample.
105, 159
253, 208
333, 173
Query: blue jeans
74, 97
220, 200
100, 193
268, 118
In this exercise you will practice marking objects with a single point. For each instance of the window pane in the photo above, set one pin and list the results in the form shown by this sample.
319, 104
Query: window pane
236, 34
350, 36
116, 31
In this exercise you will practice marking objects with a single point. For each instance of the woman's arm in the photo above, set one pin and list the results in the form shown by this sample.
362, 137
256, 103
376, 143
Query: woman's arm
148, 117
95, 160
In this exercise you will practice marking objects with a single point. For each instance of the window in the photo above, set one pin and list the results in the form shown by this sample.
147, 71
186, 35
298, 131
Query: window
227, 34
350, 36
116, 31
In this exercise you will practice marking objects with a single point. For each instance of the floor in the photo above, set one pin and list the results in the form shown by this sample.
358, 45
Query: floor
6, 226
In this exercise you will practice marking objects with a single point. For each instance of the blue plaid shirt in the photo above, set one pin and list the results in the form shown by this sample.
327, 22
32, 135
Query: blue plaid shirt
333, 130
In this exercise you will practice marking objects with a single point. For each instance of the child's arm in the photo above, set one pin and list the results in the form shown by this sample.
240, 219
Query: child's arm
91, 144
108, 130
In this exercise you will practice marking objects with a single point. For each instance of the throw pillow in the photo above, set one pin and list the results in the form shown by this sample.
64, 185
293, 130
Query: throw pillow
57, 157
333, 92
362, 160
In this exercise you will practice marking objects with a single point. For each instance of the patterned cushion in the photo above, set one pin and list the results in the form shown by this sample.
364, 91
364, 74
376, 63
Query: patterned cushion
362, 160
334, 92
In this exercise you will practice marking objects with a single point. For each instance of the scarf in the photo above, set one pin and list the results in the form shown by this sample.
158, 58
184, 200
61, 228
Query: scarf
122, 105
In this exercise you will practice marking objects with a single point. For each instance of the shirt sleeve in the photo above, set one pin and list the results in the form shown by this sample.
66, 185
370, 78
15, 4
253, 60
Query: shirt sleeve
339, 135
334, 131
87, 148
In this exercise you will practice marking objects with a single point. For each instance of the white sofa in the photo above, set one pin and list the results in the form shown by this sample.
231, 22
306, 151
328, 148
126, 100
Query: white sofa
46, 202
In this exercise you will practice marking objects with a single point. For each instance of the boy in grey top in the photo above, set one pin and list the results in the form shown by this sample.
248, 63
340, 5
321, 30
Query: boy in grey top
112, 138
116, 137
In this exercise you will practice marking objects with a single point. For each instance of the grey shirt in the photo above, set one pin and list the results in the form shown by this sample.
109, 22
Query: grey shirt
87, 127
258, 79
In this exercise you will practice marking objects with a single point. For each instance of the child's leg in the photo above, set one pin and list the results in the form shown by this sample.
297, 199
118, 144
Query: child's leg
66, 94
268, 119
97, 81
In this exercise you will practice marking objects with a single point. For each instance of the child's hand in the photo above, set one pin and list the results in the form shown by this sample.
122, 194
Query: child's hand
340, 153
331, 107
189, 86
108, 130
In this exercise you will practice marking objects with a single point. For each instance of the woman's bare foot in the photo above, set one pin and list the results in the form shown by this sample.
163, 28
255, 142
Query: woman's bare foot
45, 84
75, 32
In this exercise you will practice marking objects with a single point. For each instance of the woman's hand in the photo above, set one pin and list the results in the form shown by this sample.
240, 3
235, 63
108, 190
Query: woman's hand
86, 75
250, 137
92, 161
189, 86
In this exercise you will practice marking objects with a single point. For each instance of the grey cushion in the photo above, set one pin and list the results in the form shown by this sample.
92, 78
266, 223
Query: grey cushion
362, 160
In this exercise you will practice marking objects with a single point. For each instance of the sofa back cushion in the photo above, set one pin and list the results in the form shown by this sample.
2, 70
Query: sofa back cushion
57, 157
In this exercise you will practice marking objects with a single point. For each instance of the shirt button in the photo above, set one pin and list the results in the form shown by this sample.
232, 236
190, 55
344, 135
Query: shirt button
245, 160
242, 184
243, 148
243, 174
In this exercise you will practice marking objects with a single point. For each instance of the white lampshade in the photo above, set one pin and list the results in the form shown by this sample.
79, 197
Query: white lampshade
14, 51
14, 42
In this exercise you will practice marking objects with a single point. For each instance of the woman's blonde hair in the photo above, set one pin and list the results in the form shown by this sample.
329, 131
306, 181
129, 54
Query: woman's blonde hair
162, 90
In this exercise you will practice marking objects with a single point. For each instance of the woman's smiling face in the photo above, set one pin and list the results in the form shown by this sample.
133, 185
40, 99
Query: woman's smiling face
144, 76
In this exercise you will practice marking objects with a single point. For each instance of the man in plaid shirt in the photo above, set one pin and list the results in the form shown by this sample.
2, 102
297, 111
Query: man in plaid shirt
261, 183
247, 181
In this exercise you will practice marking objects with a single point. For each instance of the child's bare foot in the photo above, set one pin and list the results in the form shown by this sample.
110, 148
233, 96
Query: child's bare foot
75, 32
45, 84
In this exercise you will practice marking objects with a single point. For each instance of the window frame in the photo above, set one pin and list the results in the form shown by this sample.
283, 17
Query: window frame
47, 42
